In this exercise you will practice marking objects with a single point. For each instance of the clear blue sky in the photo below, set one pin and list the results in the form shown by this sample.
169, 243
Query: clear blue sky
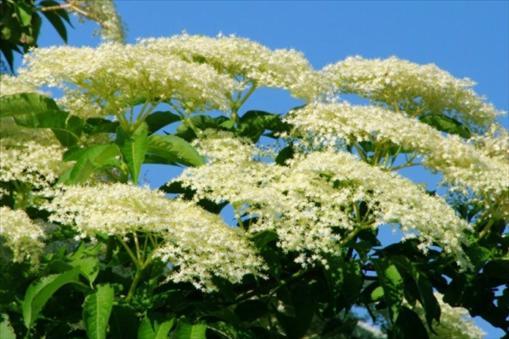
466, 38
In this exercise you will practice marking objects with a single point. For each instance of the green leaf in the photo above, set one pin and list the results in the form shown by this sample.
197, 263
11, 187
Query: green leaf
67, 128
96, 311
253, 123
189, 331
57, 23
100, 125
38, 293
408, 325
200, 122
24, 13
158, 120
423, 285
25, 103
251, 310
154, 330
377, 293
285, 154
86, 260
61, 12
91, 159
170, 149
393, 287
133, 147
6, 330
446, 124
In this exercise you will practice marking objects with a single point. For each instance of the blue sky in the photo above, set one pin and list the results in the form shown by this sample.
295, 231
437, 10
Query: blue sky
468, 39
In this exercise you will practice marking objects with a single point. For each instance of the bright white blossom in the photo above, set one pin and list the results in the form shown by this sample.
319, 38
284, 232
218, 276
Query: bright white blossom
112, 78
244, 60
311, 202
194, 241
20, 234
29, 155
461, 163
414, 88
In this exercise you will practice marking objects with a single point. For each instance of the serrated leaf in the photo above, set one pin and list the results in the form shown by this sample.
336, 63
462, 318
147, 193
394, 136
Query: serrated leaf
393, 287
57, 23
89, 160
170, 149
67, 128
39, 292
97, 310
158, 120
200, 122
154, 330
26, 103
61, 12
189, 331
133, 147
6, 330
446, 124
253, 123
408, 325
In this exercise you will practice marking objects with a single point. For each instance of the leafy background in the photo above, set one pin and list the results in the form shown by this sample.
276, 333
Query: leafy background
469, 39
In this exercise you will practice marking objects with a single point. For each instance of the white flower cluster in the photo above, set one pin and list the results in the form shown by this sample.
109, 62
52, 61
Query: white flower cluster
10, 85
455, 322
112, 78
197, 243
494, 143
244, 60
312, 202
461, 163
415, 88
28, 155
20, 234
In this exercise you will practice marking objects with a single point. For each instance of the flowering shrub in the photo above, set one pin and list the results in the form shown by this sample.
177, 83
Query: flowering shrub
86, 250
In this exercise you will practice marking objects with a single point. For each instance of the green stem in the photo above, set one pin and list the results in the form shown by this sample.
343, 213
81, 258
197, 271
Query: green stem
134, 284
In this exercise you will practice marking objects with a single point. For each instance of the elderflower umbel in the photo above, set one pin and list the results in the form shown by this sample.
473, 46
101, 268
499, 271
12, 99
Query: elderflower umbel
461, 163
22, 235
415, 88
29, 155
307, 209
195, 242
242, 59
112, 78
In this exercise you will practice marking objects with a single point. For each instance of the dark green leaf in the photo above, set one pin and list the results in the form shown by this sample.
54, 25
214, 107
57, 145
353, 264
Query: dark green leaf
158, 120
57, 23
446, 124
251, 310
408, 325
392, 283
285, 154
38, 293
97, 310
200, 122
253, 123
170, 149
100, 125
